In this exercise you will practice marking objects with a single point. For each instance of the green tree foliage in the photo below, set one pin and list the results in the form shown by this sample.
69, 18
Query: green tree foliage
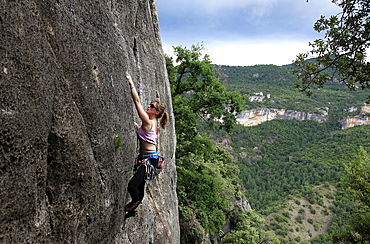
205, 188
197, 94
247, 229
356, 182
207, 179
357, 178
283, 157
340, 222
341, 52
278, 81
273, 160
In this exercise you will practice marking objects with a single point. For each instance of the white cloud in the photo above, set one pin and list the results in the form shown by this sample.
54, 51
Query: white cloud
243, 32
252, 52
245, 53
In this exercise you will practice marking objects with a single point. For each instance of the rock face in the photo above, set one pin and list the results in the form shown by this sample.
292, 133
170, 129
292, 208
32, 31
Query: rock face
352, 121
257, 116
357, 120
63, 96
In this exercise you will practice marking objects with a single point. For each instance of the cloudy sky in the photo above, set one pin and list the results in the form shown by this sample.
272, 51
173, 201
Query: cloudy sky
243, 32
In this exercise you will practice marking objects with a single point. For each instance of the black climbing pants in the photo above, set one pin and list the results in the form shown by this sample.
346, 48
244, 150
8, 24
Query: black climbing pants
136, 186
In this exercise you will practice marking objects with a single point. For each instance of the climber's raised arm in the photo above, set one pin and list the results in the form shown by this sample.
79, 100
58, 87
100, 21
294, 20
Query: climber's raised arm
146, 123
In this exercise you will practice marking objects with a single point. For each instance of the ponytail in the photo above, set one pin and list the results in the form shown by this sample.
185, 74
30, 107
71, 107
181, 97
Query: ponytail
164, 120
163, 116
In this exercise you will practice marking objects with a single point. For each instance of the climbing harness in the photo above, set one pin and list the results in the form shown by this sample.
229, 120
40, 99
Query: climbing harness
159, 215
150, 170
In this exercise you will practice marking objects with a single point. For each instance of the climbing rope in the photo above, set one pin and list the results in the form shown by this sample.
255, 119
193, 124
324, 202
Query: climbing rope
159, 215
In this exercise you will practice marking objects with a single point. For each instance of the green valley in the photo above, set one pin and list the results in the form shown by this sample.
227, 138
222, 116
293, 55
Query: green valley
290, 169
275, 182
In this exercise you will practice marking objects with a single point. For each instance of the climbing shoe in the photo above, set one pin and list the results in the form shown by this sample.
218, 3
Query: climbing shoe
131, 206
130, 214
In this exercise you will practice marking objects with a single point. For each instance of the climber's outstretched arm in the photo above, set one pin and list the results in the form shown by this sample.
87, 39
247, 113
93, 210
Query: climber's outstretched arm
135, 97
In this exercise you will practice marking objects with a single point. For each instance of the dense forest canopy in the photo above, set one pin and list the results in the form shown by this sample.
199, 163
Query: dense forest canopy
283, 159
269, 163
278, 158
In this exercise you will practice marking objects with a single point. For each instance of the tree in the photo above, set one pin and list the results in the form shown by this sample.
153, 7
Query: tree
205, 188
247, 228
342, 52
197, 94
356, 182
207, 181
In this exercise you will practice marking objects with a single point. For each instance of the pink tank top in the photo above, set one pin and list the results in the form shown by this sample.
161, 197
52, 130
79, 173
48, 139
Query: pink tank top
148, 136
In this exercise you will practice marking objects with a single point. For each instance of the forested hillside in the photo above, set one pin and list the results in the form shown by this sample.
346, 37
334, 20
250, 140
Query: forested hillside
278, 158
279, 82
284, 160
287, 169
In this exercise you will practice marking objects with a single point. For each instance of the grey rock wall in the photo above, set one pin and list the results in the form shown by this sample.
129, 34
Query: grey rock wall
63, 96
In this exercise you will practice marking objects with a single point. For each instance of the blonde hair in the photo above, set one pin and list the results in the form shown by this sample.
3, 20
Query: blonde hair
163, 115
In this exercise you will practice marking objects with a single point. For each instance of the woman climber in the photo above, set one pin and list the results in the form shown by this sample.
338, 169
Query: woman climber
147, 134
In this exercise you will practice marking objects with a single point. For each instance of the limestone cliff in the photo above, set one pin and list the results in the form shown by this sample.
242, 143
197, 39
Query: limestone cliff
352, 121
63, 96
357, 120
257, 116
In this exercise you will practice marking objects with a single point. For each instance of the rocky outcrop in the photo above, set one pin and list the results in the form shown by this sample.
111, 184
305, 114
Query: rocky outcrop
357, 120
257, 116
242, 203
259, 97
365, 109
353, 121
63, 96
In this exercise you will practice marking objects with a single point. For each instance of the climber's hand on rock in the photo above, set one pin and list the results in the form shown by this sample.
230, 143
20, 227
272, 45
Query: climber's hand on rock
128, 76
129, 79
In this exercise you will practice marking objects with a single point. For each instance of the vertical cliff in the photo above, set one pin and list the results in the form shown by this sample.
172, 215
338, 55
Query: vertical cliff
259, 115
63, 96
